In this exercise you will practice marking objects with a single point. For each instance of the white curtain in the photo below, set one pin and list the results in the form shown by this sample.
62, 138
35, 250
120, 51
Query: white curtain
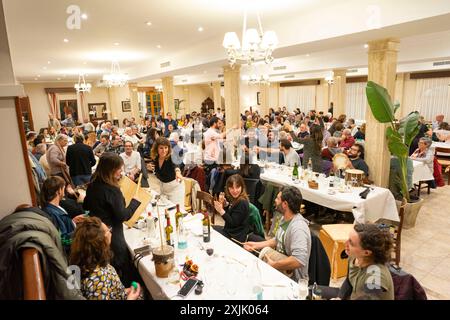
432, 97
303, 97
356, 101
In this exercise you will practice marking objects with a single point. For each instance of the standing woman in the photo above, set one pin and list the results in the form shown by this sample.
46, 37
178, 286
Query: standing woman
167, 172
105, 201
236, 213
312, 147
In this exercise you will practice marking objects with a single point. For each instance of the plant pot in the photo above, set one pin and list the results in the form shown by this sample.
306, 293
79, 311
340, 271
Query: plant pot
411, 211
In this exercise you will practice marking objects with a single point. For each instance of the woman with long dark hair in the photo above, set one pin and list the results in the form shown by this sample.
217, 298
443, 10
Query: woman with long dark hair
312, 147
234, 209
105, 201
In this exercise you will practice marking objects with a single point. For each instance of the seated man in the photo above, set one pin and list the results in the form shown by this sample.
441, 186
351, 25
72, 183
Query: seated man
347, 141
291, 157
116, 145
103, 145
303, 132
293, 237
331, 150
131, 161
356, 155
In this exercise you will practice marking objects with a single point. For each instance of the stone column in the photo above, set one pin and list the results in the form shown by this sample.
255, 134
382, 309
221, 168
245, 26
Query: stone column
113, 111
167, 84
323, 91
186, 105
217, 97
264, 99
382, 70
232, 95
339, 84
134, 101
399, 93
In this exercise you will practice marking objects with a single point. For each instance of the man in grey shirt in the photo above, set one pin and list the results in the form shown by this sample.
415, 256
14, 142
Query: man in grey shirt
292, 236
290, 155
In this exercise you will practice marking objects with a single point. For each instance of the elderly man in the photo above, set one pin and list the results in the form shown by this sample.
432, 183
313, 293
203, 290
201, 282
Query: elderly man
331, 150
131, 161
53, 122
292, 236
40, 150
68, 121
103, 145
87, 126
80, 160
129, 136
304, 131
291, 157
439, 120
167, 121
347, 140
116, 145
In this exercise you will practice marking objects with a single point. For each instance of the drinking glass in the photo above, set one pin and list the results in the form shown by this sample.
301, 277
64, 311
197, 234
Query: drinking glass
303, 289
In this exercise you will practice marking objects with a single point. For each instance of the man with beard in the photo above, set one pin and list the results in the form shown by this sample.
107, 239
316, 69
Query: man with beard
356, 155
292, 237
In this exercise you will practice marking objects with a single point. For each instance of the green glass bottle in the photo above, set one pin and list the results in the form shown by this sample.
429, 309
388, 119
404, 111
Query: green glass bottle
295, 172
178, 216
169, 230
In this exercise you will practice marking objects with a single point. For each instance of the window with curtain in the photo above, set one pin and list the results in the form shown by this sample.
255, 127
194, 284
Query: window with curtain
303, 97
356, 101
432, 97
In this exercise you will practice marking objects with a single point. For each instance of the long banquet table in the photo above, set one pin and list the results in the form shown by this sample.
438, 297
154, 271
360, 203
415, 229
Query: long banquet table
230, 274
380, 202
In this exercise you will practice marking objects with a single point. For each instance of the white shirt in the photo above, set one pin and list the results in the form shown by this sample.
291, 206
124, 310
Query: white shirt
134, 140
291, 158
211, 137
131, 162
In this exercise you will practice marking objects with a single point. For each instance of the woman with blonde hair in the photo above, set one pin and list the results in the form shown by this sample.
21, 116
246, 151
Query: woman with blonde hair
105, 201
165, 166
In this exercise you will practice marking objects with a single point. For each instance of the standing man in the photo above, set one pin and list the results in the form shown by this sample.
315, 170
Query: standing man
168, 121
53, 122
80, 159
219, 114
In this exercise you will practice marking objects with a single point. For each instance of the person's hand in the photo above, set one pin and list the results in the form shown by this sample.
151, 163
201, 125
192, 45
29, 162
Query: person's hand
132, 293
78, 218
221, 198
179, 176
249, 246
256, 149
82, 195
219, 208
150, 166
269, 261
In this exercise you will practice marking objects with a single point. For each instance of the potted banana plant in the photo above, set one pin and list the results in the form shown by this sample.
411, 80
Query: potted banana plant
399, 134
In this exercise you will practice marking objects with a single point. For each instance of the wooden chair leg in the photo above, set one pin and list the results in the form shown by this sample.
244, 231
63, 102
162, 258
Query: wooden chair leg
418, 189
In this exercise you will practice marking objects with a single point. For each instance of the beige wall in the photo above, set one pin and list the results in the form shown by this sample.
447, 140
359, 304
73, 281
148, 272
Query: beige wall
248, 97
196, 95
40, 106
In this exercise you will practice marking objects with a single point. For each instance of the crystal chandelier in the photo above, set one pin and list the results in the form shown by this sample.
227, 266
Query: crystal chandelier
256, 44
82, 86
115, 78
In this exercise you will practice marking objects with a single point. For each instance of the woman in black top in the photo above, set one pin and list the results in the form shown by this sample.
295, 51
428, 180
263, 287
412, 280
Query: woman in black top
312, 147
236, 213
105, 201
167, 172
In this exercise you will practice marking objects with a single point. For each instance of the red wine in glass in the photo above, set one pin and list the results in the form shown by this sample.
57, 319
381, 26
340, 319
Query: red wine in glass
210, 251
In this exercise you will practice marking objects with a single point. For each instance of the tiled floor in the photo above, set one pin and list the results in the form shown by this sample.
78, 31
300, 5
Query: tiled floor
426, 247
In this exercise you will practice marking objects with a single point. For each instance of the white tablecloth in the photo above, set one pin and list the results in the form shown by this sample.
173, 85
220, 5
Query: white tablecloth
380, 202
230, 274
421, 172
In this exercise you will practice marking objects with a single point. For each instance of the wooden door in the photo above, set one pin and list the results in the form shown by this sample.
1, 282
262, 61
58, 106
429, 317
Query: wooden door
27, 116
154, 103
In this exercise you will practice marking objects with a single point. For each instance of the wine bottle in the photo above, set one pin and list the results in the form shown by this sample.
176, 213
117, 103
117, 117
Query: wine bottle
295, 172
206, 227
169, 230
310, 167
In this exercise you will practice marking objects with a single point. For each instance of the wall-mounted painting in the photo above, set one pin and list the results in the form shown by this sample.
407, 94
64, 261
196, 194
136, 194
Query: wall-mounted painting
126, 106
258, 98
97, 111
68, 107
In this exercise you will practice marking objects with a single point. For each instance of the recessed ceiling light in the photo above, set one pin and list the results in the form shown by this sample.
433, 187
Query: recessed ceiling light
366, 46
148, 23
307, 54
48, 62
85, 62
38, 75
158, 46
84, 16
116, 43
58, 79
45, 68
200, 29
66, 40
35, 78
64, 75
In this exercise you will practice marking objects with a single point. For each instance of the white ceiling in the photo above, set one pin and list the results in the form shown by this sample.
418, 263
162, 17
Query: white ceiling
315, 36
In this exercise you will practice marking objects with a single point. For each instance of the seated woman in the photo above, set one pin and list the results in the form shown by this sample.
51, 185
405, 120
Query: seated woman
52, 193
167, 172
236, 212
423, 153
369, 250
91, 253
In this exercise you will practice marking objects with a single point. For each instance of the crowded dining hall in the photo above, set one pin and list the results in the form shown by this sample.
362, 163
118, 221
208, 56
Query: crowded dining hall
225, 150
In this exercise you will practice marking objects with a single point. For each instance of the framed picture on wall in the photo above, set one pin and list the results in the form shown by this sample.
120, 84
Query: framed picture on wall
126, 106
258, 99
97, 111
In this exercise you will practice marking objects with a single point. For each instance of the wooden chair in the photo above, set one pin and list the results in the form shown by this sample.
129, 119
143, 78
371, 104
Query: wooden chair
444, 161
208, 201
395, 228
422, 185
33, 280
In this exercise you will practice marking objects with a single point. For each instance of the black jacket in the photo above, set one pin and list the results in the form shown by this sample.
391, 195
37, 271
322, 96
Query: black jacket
80, 159
237, 223
319, 269
107, 203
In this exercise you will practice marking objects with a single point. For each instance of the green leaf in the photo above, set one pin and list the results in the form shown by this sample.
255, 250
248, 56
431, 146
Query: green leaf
395, 143
380, 102
396, 106
409, 127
